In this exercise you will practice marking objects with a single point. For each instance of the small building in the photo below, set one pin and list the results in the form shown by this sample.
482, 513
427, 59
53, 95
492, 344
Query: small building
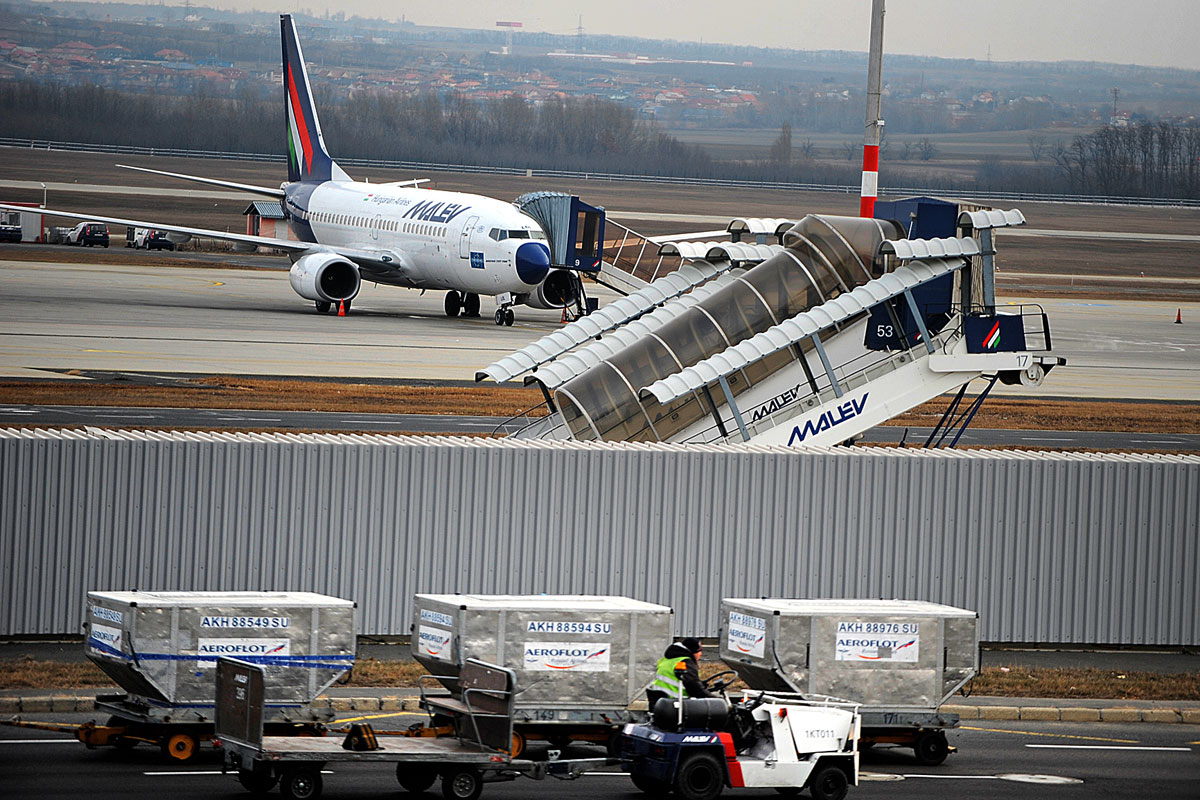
265, 218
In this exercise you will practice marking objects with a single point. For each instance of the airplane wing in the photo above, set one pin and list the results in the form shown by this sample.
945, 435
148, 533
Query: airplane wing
372, 261
241, 187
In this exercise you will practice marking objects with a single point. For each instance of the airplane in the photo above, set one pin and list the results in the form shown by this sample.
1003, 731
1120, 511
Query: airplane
348, 231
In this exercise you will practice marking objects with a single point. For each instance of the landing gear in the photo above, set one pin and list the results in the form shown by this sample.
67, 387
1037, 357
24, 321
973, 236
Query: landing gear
505, 316
453, 303
471, 305
323, 306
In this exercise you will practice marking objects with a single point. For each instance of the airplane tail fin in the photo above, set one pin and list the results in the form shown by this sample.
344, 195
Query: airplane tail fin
308, 160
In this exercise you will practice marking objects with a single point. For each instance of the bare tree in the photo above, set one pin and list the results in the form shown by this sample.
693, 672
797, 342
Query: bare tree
1037, 146
926, 149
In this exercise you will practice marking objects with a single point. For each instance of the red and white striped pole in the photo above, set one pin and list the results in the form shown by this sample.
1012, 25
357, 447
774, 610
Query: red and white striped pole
874, 127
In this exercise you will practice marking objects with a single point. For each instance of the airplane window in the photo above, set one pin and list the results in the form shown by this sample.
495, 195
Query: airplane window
518, 234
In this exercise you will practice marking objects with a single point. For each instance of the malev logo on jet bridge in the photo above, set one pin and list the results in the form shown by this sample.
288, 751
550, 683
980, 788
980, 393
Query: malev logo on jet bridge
828, 420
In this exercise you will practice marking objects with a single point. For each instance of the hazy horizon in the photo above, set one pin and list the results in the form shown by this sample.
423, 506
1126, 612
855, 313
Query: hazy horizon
1158, 33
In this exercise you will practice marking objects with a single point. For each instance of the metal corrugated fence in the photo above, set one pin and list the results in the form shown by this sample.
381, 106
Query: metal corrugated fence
1047, 547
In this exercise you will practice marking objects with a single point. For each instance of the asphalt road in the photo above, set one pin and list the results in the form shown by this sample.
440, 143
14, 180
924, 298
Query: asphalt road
125, 318
238, 419
1026, 760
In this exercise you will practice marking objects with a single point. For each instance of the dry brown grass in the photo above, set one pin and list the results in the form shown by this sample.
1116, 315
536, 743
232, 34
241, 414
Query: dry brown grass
403, 673
280, 395
1090, 683
503, 401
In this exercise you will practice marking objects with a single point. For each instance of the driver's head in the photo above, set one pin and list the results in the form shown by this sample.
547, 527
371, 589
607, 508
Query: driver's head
693, 646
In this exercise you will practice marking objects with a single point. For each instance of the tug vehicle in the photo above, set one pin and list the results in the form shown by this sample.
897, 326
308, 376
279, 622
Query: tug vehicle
698, 747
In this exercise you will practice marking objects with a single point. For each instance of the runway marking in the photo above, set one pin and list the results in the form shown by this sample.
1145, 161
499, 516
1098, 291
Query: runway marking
1051, 735
39, 741
1107, 747
950, 777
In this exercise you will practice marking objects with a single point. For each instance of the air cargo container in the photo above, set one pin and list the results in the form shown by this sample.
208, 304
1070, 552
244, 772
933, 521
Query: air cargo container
580, 661
162, 649
900, 659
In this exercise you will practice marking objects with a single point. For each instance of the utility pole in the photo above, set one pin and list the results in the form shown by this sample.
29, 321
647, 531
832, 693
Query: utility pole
1116, 93
874, 126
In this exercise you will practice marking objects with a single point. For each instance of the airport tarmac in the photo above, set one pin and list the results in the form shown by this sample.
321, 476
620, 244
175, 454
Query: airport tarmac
60, 317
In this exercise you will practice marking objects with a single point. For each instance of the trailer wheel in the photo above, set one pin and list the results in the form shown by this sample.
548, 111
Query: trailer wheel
180, 746
700, 777
931, 748
301, 784
518, 744
829, 783
415, 777
257, 781
461, 784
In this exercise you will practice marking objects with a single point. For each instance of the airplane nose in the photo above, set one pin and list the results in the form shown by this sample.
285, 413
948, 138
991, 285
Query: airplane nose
533, 263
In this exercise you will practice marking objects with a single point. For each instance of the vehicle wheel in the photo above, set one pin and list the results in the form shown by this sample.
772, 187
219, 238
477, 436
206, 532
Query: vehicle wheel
648, 785
461, 784
700, 777
415, 777
453, 303
509, 316
180, 746
301, 784
123, 744
471, 305
829, 783
257, 781
931, 748
323, 306
518, 744
499, 316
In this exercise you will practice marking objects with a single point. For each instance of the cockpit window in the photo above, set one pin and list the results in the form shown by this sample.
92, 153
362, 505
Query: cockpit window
500, 235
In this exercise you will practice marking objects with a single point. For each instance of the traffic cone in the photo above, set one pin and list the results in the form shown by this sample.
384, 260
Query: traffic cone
341, 308
1179, 316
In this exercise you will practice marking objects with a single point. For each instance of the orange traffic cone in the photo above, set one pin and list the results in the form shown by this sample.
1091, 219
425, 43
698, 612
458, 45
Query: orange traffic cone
341, 308
1179, 316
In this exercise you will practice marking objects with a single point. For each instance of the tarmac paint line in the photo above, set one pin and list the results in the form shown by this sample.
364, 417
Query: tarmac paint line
177, 773
384, 716
72, 740
952, 777
1108, 747
1050, 735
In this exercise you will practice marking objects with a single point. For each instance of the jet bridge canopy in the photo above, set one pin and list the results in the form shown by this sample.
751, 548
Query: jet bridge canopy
825, 257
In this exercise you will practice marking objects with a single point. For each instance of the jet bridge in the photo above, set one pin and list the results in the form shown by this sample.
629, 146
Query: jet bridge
813, 346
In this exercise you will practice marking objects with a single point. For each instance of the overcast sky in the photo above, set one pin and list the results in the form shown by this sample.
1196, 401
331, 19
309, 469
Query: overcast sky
1148, 32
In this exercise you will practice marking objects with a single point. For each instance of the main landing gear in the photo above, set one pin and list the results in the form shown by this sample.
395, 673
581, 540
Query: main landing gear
505, 316
324, 306
468, 303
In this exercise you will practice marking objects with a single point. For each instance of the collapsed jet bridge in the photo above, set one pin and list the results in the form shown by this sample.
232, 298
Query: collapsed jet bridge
848, 325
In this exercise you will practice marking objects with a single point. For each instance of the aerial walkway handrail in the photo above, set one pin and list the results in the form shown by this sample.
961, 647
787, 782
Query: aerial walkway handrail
601, 321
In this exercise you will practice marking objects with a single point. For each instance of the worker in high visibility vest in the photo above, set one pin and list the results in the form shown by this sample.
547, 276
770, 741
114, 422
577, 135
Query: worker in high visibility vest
677, 670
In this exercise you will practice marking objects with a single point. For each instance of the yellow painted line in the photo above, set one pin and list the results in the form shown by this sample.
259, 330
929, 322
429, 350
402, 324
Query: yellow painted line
385, 716
1051, 735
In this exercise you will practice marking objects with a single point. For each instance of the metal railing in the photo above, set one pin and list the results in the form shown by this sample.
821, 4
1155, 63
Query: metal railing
418, 166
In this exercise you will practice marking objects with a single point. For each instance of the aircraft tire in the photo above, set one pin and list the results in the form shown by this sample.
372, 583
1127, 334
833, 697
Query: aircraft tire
509, 317
500, 315
323, 306
453, 303
471, 305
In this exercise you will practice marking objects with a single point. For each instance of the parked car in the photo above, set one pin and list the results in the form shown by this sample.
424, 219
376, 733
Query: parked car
89, 233
150, 239
10, 226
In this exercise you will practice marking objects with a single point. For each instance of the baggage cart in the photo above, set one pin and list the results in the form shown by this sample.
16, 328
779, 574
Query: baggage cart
162, 649
581, 660
481, 714
899, 659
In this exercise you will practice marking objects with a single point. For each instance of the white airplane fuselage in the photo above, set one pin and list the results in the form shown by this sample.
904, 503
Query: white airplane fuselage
438, 240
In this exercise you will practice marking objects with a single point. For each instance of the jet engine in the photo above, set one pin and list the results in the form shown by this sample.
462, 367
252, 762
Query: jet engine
325, 277
559, 289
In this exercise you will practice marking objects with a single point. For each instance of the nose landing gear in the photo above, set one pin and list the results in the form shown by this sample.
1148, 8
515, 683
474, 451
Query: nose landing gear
505, 316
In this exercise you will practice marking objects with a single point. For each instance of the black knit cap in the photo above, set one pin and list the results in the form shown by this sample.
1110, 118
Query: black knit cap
691, 643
